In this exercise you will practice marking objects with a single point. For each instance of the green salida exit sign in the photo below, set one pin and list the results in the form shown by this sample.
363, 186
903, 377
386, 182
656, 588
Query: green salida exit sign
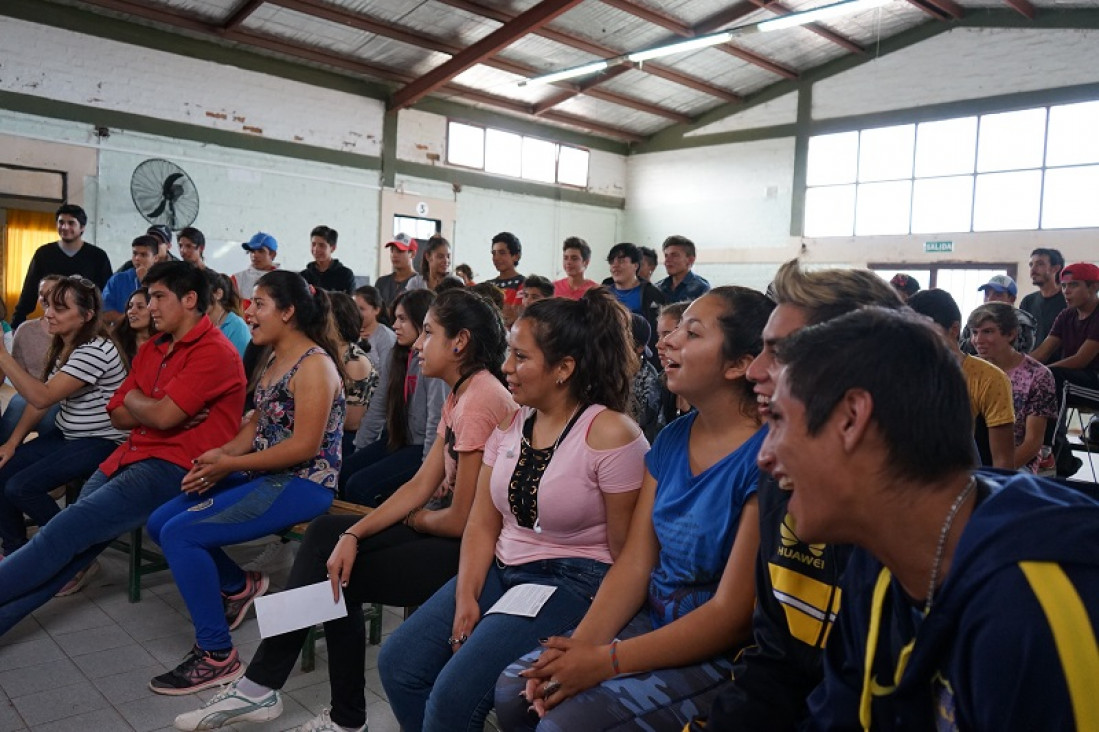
938, 247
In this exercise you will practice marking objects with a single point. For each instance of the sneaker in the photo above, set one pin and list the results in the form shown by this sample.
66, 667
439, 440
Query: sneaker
198, 671
236, 606
231, 706
323, 723
76, 584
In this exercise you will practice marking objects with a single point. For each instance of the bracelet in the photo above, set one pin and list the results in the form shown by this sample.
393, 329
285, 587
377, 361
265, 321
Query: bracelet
614, 657
408, 517
348, 533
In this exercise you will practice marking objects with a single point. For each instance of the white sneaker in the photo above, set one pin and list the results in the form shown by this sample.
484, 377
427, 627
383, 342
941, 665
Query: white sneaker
323, 723
228, 707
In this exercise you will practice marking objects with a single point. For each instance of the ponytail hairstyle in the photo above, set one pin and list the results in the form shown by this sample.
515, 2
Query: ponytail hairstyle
86, 299
229, 299
345, 314
436, 241
415, 303
312, 310
373, 298
458, 310
595, 331
746, 313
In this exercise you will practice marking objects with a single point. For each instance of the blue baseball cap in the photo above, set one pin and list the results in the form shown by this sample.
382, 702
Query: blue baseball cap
1001, 284
260, 240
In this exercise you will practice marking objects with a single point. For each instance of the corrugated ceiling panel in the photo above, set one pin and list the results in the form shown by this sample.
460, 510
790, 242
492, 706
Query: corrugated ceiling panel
305, 29
689, 12
399, 55
503, 84
797, 48
215, 10
719, 68
667, 94
609, 26
870, 27
453, 25
613, 115
544, 54
388, 10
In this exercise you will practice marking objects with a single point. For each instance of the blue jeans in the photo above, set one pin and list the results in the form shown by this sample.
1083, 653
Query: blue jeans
192, 528
10, 418
373, 473
106, 509
34, 470
431, 688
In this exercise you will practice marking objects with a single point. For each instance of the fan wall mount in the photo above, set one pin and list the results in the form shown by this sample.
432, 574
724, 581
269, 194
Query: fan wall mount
163, 193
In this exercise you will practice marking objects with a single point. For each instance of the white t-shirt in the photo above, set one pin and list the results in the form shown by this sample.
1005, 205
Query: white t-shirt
84, 413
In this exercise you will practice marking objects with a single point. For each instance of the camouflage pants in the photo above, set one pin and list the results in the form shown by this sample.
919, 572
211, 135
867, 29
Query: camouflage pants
654, 701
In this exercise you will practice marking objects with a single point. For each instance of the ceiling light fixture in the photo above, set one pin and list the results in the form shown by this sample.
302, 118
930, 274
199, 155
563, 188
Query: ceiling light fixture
791, 20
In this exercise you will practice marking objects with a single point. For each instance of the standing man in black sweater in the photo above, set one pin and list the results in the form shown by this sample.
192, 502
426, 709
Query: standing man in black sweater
70, 255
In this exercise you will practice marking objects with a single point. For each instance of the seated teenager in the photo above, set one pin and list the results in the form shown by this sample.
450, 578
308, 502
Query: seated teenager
84, 370
413, 405
225, 310
360, 378
971, 599
278, 471
677, 604
29, 345
187, 370
994, 330
553, 505
403, 551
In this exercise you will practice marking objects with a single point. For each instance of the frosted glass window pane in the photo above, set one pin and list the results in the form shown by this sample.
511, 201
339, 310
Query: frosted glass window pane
539, 160
1072, 134
942, 204
1012, 140
465, 145
833, 159
1070, 198
962, 285
883, 208
572, 166
886, 153
503, 153
830, 211
948, 147
1007, 201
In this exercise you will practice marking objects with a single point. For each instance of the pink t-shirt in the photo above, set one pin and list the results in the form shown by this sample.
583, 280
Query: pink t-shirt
571, 513
466, 424
561, 288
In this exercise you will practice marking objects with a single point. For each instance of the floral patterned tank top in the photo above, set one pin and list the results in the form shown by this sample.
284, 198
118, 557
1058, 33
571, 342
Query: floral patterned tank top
275, 423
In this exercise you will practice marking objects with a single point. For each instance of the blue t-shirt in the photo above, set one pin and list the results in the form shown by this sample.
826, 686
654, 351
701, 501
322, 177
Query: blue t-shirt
695, 518
236, 330
630, 298
118, 290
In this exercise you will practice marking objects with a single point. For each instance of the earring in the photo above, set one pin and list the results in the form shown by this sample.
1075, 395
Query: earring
559, 382
455, 350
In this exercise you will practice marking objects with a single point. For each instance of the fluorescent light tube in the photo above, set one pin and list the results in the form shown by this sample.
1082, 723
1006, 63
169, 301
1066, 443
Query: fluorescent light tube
700, 42
822, 13
567, 73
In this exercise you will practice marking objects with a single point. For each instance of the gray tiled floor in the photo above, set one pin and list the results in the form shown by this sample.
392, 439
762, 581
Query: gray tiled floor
83, 663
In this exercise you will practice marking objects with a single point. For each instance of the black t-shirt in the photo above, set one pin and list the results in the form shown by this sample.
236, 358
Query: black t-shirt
1045, 310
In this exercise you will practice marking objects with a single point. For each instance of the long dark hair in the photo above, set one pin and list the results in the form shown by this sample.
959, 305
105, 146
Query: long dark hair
312, 310
86, 299
595, 331
458, 310
746, 313
124, 334
436, 241
229, 299
373, 298
415, 304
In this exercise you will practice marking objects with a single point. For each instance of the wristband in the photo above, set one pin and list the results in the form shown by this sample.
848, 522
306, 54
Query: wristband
348, 533
614, 657
408, 517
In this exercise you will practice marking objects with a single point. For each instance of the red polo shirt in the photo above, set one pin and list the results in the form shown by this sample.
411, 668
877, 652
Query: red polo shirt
203, 370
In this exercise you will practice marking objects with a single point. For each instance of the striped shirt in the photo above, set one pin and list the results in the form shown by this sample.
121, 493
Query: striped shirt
84, 413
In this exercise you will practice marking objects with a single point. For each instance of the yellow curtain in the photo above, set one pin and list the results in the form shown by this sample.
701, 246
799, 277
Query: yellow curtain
26, 231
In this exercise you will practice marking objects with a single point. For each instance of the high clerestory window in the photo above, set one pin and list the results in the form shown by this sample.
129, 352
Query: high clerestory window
506, 153
1025, 169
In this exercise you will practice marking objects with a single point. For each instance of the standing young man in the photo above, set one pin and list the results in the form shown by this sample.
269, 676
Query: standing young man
192, 246
324, 271
1046, 304
506, 253
188, 369
262, 249
69, 255
122, 284
643, 298
575, 257
681, 284
401, 251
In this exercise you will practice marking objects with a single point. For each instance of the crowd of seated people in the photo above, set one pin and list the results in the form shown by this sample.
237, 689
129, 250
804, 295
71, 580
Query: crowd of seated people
809, 542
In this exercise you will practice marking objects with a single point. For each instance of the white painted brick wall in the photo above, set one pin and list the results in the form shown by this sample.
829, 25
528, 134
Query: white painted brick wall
780, 111
72, 67
725, 196
964, 63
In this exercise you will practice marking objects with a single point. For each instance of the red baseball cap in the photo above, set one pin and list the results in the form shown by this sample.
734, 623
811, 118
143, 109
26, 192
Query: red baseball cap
404, 242
1081, 272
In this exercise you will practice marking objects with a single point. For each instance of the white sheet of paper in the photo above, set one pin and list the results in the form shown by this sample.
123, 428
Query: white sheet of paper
525, 600
298, 608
